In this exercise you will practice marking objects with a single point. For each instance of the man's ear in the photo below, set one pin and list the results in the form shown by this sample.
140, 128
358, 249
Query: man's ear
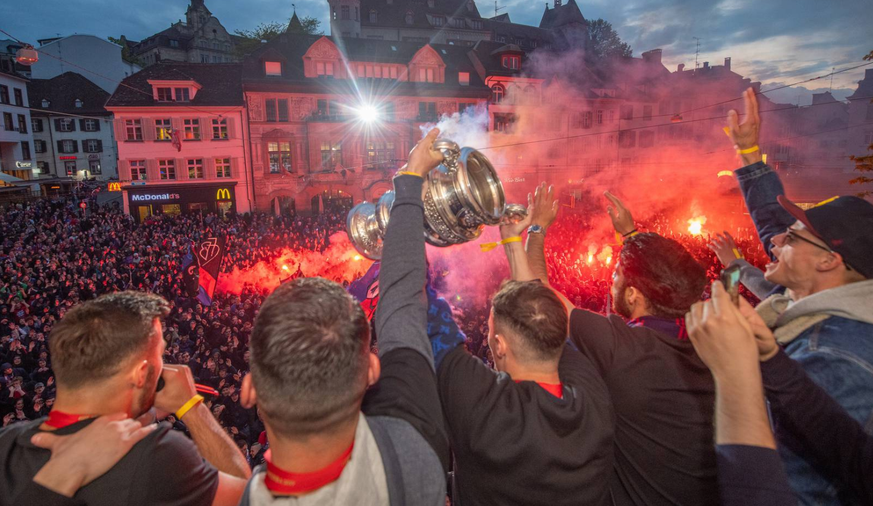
248, 397
375, 369
635, 298
500, 347
138, 373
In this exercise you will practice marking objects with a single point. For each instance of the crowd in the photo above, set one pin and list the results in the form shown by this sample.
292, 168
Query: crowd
660, 401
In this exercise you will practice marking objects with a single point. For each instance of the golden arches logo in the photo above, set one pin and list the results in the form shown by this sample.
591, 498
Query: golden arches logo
222, 194
114, 187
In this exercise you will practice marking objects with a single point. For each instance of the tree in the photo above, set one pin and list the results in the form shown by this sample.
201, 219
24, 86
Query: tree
864, 164
604, 42
251, 39
125, 51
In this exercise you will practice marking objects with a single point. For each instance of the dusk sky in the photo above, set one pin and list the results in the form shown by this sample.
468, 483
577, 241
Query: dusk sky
773, 41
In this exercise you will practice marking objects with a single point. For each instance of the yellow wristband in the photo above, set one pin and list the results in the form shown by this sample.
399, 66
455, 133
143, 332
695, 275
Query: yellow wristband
488, 246
737, 253
407, 173
747, 150
197, 399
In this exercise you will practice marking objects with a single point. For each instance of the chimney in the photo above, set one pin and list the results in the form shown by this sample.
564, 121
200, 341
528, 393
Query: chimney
680, 68
557, 3
652, 56
727, 63
706, 65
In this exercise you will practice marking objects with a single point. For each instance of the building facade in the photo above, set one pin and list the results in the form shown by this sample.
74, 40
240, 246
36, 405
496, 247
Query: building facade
73, 132
182, 140
200, 39
331, 121
16, 139
74, 53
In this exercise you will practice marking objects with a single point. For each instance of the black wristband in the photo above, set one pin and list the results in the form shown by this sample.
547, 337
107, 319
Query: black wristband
629, 233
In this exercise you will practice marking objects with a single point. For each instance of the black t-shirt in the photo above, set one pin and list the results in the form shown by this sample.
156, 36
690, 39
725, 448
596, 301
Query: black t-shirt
163, 469
664, 398
515, 443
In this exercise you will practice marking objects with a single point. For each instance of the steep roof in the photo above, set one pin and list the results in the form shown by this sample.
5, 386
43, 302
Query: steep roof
865, 87
393, 12
561, 15
62, 92
221, 85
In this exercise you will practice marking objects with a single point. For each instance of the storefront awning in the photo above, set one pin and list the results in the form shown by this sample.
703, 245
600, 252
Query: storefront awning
6, 178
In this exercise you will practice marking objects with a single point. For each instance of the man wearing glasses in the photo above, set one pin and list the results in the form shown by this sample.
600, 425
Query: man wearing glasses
824, 257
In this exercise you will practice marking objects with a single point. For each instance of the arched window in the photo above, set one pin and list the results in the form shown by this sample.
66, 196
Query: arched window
409, 17
497, 93
512, 94
372, 15
530, 94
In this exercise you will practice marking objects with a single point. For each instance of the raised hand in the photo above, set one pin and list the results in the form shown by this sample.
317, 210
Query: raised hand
745, 135
725, 248
622, 220
424, 158
545, 206
764, 338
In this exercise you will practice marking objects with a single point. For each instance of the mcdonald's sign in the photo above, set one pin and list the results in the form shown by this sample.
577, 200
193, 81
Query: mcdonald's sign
222, 194
114, 187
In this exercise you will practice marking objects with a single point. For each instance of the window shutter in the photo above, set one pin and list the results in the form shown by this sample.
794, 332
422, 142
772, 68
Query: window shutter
57, 124
123, 170
99, 146
152, 169
231, 133
97, 125
181, 168
148, 129
75, 146
61, 146
234, 167
206, 128
82, 125
73, 125
118, 125
209, 168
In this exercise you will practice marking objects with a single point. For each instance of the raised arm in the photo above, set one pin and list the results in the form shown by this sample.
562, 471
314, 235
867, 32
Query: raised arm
759, 184
402, 310
542, 211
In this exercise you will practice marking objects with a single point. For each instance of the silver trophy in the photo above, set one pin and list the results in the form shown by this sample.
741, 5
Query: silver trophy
462, 195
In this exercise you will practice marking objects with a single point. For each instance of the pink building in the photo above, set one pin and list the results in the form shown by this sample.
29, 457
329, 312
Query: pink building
201, 106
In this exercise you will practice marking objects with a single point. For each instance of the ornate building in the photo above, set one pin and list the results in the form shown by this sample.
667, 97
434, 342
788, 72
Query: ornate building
200, 39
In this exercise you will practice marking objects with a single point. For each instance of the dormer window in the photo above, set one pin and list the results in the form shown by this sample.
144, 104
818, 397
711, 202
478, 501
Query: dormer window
78, 103
373, 15
183, 95
165, 94
45, 103
324, 69
477, 25
464, 78
273, 68
439, 21
409, 17
511, 62
459, 23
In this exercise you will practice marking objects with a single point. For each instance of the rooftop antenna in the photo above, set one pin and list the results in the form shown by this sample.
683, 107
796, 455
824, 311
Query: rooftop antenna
697, 53
832, 79
498, 9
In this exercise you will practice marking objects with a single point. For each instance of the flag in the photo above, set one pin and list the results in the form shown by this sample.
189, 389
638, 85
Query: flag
176, 139
190, 274
366, 290
209, 254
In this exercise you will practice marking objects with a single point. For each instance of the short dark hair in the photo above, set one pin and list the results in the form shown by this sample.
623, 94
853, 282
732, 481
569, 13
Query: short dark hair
664, 271
535, 314
94, 339
310, 356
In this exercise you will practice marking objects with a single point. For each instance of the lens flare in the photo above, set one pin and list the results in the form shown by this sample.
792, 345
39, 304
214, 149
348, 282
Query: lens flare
695, 225
367, 113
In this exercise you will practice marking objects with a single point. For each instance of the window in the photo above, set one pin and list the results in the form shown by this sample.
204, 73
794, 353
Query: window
19, 99
167, 169
627, 139
4, 95
222, 167
133, 129
372, 15
530, 94
627, 112
463, 106
598, 116
331, 154
90, 125
70, 167
216, 59
459, 23
279, 154
219, 129
647, 114
647, 139
497, 93
68, 146
477, 25
36, 125
137, 170
165, 94
195, 168
8, 124
388, 111
324, 69
183, 95
344, 12
78, 104
427, 111
273, 68
380, 152
93, 146
25, 150
503, 122
39, 146
42, 168
511, 62
357, 14
426, 75
439, 21
204, 58
192, 129
283, 109
65, 125
22, 124
464, 78
94, 167
174, 43
45, 104
410, 17
163, 130
868, 138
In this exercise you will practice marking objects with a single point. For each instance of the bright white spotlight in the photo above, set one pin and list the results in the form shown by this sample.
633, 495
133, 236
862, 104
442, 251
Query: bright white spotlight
368, 113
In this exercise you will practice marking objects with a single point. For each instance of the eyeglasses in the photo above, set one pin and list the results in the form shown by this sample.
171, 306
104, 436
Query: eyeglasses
791, 235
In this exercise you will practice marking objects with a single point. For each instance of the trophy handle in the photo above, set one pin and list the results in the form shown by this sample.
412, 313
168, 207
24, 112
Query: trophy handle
451, 153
